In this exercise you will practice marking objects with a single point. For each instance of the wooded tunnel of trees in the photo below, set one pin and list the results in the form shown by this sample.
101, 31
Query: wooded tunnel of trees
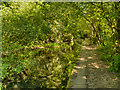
41, 41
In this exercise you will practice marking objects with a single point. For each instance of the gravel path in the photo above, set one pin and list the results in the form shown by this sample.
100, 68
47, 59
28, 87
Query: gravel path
95, 73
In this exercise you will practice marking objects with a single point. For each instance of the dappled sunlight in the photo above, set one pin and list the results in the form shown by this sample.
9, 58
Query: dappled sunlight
99, 65
98, 72
95, 65
74, 71
115, 79
93, 70
89, 48
82, 59
80, 67
77, 68
84, 77
90, 57
42, 46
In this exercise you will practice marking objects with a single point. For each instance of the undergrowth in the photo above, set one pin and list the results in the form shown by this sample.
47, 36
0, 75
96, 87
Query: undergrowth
111, 56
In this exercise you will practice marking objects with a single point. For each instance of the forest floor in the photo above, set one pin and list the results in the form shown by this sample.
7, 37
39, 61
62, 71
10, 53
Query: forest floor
91, 71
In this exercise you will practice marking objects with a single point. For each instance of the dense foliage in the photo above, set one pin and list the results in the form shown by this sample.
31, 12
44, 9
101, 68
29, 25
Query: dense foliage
41, 40
40, 48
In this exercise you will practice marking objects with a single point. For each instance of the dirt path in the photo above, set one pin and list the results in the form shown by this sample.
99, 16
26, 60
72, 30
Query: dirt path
91, 72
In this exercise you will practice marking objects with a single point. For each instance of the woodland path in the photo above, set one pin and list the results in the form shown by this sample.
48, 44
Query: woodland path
91, 71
